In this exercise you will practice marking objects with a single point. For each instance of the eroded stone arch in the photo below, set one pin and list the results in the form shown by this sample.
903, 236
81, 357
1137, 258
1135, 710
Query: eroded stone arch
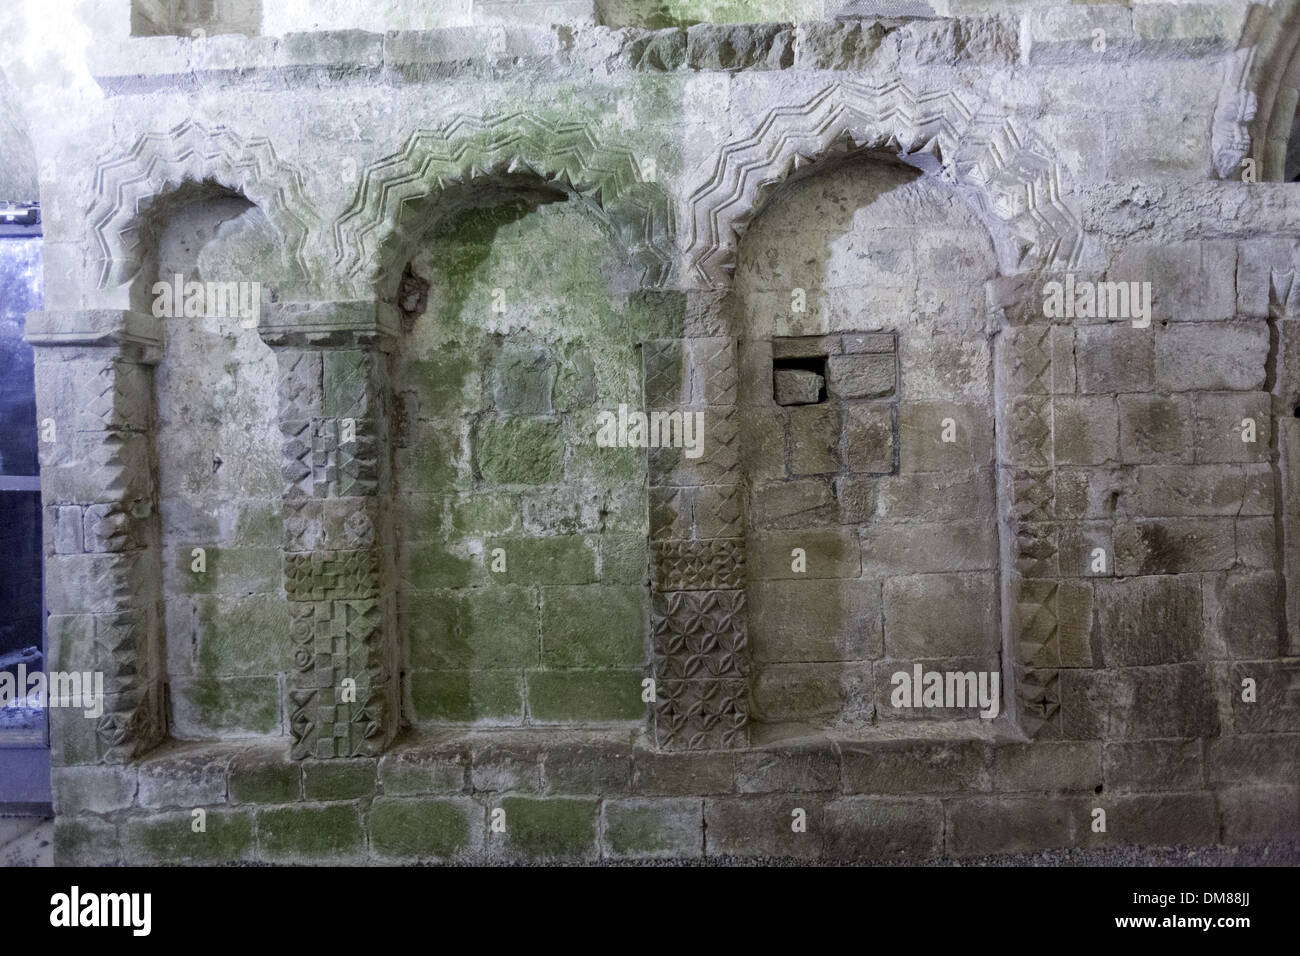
1013, 183
1014, 187
378, 231
128, 186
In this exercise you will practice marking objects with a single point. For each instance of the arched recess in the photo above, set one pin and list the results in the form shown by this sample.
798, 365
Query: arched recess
521, 257
126, 185
177, 203
1013, 188
1256, 113
376, 235
1014, 184
520, 541
218, 460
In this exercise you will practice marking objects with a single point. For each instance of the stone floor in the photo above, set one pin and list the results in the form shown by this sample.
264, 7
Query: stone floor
26, 841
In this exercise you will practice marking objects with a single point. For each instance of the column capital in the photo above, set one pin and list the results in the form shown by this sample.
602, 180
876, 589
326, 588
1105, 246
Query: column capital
356, 323
136, 334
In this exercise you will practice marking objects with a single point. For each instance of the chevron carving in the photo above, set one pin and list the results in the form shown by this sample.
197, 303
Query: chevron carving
1014, 186
369, 237
126, 184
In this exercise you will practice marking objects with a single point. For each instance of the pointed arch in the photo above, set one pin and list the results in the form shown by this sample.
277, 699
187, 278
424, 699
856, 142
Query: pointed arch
1259, 96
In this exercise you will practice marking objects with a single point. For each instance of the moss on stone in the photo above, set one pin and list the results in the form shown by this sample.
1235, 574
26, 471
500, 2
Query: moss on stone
594, 626
585, 695
171, 837
464, 696
558, 559
310, 832
339, 779
425, 828
519, 451
550, 829
485, 514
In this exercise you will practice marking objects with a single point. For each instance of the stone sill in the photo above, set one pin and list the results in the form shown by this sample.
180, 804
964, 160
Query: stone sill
604, 762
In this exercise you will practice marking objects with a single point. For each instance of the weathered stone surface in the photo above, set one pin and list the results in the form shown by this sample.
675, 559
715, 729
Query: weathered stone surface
976, 826
1154, 765
678, 774
547, 829
1047, 765
794, 504
1195, 355
1156, 428
794, 386
227, 837
425, 828
310, 833
1174, 546
1241, 614
814, 621
941, 615
865, 829
764, 826
861, 376
184, 780
340, 779
1135, 703
264, 778
642, 829
1150, 620
93, 789
776, 770
815, 444
929, 547
1259, 814
820, 694
832, 238
581, 768
1138, 819
423, 770
905, 767
869, 439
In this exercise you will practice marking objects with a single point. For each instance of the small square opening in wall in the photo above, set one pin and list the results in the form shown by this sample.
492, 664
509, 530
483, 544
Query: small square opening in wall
799, 381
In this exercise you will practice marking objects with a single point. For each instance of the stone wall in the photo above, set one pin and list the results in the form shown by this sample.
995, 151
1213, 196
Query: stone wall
360, 574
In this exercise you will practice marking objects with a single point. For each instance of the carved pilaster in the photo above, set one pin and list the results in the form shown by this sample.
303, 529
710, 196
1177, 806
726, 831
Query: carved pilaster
698, 621
334, 412
94, 387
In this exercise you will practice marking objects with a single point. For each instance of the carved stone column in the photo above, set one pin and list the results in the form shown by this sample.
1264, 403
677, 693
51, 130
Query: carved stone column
94, 400
334, 403
1038, 603
697, 527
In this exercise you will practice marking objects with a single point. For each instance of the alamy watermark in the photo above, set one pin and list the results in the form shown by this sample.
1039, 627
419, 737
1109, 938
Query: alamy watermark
220, 300
71, 689
77, 909
922, 688
636, 429
1098, 300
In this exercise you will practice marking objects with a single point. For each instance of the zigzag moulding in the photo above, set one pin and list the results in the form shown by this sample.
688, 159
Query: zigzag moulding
1014, 186
375, 236
126, 185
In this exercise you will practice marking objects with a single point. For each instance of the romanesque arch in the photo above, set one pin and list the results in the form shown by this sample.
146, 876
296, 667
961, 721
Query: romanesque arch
702, 646
127, 186
374, 237
1015, 185
112, 454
